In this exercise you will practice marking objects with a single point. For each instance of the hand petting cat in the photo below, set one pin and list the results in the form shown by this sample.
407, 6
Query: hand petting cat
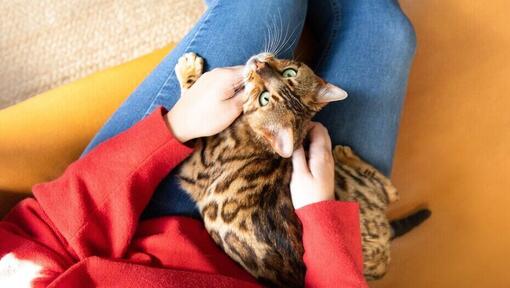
209, 106
214, 102
313, 178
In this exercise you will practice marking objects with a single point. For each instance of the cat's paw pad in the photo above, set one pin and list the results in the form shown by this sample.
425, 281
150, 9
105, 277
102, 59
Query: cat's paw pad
188, 69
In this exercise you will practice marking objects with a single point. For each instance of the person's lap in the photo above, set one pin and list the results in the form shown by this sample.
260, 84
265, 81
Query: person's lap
366, 48
361, 56
228, 34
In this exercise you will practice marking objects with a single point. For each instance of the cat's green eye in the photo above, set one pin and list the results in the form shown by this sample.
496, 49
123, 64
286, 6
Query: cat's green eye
264, 98
289, 72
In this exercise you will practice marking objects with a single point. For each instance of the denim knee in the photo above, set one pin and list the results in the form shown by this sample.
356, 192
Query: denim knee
399, 33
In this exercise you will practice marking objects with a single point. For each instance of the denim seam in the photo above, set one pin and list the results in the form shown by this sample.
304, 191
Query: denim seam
172, 74
332, 34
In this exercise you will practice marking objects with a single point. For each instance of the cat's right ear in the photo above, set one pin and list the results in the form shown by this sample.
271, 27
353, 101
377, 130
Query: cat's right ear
281, 139
329, 93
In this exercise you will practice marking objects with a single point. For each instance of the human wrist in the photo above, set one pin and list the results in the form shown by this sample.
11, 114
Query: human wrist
312, 200
176, 126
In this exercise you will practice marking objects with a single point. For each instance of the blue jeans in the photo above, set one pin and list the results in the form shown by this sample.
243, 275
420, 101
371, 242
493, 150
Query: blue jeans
366, 47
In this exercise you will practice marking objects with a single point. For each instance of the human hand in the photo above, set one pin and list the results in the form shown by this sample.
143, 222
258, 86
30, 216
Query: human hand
313, 180
209, 106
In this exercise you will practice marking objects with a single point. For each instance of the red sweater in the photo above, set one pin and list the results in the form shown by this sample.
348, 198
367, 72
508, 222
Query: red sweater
83, 229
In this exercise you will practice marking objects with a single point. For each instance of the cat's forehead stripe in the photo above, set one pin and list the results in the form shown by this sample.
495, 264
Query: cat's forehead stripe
292, 102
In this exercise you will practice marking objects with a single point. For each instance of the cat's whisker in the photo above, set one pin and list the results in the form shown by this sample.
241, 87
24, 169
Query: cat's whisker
288, 40
267, 37
282, 44
271, 35
275, 34
291, 40
296, 37
280, 38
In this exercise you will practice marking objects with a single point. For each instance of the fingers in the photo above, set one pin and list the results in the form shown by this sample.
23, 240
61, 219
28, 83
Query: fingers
237, 101
320, 155
299, 161
230, 80
233, 82
319, 137
236, 82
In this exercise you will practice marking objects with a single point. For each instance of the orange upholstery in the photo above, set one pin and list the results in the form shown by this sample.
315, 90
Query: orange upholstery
454, 148
41, 136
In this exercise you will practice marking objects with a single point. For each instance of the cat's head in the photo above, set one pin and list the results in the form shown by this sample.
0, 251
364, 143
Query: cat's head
281, 97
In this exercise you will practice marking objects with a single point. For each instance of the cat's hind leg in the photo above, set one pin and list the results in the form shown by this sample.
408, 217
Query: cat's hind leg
188, 69
345, 156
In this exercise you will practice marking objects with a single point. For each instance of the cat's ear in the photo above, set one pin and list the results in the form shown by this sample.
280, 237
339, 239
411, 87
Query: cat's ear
329, 93
282, 141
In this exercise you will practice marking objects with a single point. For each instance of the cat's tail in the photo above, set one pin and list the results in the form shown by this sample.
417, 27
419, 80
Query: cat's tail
401, 226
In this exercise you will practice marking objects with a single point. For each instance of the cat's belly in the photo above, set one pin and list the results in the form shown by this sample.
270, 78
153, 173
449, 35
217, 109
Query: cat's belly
266, 243
248, 212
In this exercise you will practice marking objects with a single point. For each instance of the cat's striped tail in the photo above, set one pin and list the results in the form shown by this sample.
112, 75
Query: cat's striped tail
401, 226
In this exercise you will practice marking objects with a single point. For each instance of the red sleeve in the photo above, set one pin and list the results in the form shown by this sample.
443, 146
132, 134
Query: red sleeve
96, 203
93, 208
332, 242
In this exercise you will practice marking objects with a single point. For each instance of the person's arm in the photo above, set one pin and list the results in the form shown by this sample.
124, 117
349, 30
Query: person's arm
332, 242
93, 208
96, 203
331, 232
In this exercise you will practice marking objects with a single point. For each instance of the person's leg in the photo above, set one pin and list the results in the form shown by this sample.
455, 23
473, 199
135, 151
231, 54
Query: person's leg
367, 48
227, 34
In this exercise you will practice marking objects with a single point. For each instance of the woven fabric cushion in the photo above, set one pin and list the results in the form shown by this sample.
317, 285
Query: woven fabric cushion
46, 43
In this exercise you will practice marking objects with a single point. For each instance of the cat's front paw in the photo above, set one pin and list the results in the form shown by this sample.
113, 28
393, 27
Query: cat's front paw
188, 69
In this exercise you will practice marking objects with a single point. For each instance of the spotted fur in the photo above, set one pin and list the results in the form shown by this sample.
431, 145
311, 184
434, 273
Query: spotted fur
240, 177
239, 182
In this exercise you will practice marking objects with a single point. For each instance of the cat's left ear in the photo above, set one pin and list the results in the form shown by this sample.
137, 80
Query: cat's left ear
329, 93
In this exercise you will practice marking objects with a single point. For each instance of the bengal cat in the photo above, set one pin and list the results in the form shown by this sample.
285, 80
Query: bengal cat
240, 177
